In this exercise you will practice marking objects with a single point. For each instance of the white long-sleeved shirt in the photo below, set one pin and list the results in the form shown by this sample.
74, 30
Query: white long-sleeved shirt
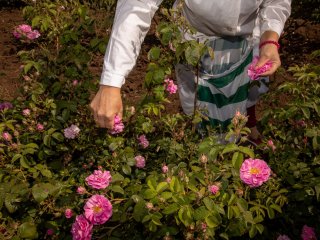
210, 17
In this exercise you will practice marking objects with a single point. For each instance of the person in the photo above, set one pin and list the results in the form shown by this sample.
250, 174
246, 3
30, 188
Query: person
233, 29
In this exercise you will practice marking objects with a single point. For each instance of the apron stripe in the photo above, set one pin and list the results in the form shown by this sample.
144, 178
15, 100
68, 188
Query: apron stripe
220, 100
221, 82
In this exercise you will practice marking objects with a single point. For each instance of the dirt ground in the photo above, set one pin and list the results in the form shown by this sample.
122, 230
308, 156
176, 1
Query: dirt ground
300, 38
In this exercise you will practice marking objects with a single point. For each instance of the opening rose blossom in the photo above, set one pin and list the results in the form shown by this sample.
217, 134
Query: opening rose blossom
165, 169
254, 172
68, 213
143, 141
71, 132
214, 189
81, 190
98, 209
99, 179
140, 161
81, 229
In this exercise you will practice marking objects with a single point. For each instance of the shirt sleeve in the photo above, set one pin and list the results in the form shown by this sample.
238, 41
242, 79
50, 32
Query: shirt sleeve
131, 23
273, 15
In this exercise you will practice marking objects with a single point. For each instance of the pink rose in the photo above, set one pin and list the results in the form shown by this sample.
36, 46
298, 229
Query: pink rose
254, 172
308, 233
140, 161
271, 145
99, 179
50, 232
118, 125
214, 189
40, 127
283, 237
165, 169
68, 213
26, 112
81, 229
6, 136
170, 86
143, 141
254, 72
98, 209
75, 82
71, 132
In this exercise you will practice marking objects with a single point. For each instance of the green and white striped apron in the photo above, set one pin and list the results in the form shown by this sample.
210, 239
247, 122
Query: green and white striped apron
223, 85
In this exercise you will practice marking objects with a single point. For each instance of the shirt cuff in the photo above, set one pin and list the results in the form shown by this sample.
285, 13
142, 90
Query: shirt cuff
112, 79
272, 25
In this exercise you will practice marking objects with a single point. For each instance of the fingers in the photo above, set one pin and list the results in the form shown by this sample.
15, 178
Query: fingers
105, 105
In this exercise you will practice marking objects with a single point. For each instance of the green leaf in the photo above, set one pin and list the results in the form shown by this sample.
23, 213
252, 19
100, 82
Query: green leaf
126, 169
242, 204
58, 136
260, 228
212, 221
16, 157
24, 162
247, 151
117, 177
162, 186
252, 231
46, 172
154, 53
201, 213
40, 191
166, 195
149, 193
270, 212
117, 189
276, 207
172, 208
28, 230
208, 202
139, 210
237, 160
231, 147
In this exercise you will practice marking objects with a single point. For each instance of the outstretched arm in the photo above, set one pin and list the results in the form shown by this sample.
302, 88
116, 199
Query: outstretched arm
273, 15
131, 24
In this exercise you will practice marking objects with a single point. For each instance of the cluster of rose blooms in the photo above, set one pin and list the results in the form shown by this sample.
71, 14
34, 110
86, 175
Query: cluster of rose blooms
25, 31
97, 209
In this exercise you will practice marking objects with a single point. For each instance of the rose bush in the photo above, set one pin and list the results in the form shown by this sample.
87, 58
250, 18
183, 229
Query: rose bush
155, 175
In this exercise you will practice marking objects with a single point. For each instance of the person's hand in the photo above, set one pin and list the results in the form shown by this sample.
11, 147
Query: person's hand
105, 105
269, 53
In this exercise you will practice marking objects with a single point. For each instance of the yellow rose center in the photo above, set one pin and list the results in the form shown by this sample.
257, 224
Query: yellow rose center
97, 209
254, 170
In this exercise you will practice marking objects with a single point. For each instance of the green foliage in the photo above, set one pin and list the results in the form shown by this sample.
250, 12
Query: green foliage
41, 167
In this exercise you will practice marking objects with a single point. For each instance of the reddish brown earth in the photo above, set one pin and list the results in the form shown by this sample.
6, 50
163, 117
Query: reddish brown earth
9, 61
299, 39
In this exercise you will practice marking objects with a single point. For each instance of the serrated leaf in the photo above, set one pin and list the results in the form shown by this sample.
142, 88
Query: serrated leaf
208, 202
161, 187
172, 208
117, 177
28, 230
247, 151
126, 169
117, 189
